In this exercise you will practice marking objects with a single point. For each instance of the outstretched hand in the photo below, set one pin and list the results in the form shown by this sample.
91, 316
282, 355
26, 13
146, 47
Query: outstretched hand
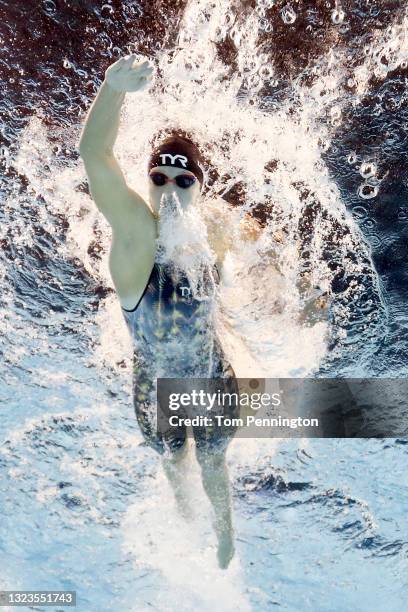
126, 75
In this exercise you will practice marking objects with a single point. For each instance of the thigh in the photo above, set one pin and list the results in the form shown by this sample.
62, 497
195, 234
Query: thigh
216, 436
169, 439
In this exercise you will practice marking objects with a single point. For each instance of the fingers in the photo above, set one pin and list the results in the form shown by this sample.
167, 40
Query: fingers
124, 61
144, 64
136, 77
117, 65
146, 72
128, 75
130, 59
146, 78
143, 69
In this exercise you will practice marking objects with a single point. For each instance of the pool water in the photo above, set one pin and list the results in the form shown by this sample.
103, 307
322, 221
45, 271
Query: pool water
301, 109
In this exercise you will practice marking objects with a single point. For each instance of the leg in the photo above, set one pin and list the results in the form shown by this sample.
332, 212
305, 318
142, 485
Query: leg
211, 447
174, 465
171, 444
215, 481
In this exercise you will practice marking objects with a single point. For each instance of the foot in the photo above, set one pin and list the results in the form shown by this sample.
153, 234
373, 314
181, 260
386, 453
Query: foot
225, 550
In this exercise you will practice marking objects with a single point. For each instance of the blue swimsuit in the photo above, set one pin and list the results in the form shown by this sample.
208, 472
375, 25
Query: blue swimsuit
174, 337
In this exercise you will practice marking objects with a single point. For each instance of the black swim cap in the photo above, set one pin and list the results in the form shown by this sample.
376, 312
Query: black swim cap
178, 152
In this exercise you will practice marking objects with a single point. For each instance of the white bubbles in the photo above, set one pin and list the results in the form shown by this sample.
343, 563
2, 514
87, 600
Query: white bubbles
344, 28
369, 189
366, 191
335, 115
368, 223
67, 64
236, 36
82, 73
49, 7
360, 212
265, 4
375, 241
107, 10
288, 14
265, 25
368, 169
229, 19
352, 158
337, 16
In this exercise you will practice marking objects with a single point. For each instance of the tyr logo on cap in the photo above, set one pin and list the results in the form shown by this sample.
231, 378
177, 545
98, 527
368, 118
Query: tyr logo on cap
173, 159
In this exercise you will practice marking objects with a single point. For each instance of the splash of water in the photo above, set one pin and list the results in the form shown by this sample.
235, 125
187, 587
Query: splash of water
276, 164
275, 159
182, 244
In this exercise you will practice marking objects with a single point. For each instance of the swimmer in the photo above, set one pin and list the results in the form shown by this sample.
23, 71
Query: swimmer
165, 266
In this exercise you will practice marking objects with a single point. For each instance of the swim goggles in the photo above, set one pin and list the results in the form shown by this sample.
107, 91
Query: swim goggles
181, 180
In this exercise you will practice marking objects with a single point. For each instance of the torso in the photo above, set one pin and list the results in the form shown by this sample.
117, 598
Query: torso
171, 329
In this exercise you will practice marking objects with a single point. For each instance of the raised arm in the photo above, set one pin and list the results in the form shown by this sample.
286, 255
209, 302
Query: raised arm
132, 221
107, 183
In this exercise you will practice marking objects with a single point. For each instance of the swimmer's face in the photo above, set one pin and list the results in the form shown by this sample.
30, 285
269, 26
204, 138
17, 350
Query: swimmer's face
187, 196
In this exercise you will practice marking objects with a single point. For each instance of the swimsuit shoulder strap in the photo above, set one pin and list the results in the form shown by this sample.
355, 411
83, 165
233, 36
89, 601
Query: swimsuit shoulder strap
145, 289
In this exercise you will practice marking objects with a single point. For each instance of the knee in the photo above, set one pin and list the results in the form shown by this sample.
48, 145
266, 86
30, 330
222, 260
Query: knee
210, 458
173, 454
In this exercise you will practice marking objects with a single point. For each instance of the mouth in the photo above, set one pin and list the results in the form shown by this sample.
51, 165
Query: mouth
170, 203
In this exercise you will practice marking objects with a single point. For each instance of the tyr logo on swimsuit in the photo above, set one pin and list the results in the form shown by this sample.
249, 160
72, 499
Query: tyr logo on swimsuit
185, 291
173, 158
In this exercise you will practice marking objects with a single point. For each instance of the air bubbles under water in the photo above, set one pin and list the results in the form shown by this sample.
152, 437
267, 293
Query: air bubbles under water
335, 115
107, 10
368, 169
265, 4
49, 7
288, 14
360, 212
229, 19
337, 16
367, 191
265, 25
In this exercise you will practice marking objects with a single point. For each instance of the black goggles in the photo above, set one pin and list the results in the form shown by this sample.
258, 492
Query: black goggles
181, 180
